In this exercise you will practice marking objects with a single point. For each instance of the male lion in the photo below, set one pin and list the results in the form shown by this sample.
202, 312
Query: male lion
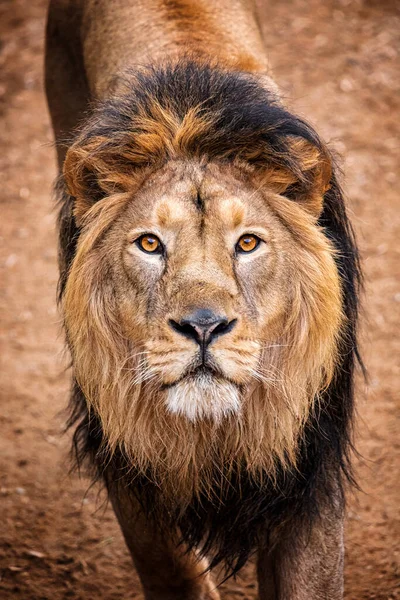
208, 284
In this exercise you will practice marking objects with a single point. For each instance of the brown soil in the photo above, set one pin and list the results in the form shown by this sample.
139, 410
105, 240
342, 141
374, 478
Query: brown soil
338, 61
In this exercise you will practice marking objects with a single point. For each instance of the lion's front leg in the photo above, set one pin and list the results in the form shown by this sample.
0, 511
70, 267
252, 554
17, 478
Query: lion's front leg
307, 565
166, 572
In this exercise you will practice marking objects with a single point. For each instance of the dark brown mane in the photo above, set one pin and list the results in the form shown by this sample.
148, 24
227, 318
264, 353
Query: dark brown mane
191, 110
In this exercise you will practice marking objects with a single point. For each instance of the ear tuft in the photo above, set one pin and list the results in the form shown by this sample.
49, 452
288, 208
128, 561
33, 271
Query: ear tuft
91, 173
306, 176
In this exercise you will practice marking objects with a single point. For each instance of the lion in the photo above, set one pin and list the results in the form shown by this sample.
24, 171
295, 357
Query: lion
209, 283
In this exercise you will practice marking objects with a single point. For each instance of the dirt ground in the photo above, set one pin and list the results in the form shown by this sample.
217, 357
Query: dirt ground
338, 64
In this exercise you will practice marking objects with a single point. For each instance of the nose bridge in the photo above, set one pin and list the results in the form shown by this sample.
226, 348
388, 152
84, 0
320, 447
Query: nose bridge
206, 284
215, 271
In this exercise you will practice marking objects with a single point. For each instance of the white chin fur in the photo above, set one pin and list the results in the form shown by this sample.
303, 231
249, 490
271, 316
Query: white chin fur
203, 397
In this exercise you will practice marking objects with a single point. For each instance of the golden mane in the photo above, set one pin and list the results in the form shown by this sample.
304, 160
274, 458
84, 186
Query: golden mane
187, 458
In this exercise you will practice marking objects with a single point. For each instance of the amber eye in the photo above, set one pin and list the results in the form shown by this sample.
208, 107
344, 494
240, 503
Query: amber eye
247, 243
150, 244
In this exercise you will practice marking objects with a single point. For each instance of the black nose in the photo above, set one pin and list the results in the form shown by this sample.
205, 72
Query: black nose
203, 326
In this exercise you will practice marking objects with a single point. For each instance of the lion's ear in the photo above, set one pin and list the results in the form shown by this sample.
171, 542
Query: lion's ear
91, 173
305, 177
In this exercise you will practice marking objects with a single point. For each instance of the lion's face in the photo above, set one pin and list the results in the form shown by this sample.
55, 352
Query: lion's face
202, 297
203, 273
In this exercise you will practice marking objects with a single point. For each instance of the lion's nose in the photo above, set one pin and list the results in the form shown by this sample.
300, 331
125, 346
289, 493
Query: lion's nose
203, 326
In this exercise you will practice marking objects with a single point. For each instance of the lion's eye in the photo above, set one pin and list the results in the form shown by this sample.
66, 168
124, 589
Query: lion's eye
149, 243
247, 243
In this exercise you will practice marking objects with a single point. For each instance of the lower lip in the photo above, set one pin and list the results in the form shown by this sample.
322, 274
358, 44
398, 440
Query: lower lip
194, 373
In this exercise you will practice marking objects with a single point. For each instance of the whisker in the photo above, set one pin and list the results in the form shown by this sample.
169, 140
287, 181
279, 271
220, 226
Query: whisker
268, 346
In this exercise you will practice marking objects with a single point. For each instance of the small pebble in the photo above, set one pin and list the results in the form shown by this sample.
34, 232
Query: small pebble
346, 85
11, 260
36, 554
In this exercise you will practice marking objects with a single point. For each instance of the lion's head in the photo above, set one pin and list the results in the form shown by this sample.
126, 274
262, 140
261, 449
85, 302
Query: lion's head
203, 306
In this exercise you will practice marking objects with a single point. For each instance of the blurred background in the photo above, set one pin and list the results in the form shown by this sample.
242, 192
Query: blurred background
337, 62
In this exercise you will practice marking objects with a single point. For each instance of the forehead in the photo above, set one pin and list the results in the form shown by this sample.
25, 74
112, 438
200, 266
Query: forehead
183, 193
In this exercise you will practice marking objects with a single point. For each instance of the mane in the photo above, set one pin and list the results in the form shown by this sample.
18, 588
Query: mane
189, 110
197, 110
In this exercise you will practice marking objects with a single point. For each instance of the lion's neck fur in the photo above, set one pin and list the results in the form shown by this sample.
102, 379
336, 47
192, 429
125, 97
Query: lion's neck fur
226, 31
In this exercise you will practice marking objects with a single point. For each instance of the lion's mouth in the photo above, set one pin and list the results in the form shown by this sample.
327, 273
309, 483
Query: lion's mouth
203, 391
202, 369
